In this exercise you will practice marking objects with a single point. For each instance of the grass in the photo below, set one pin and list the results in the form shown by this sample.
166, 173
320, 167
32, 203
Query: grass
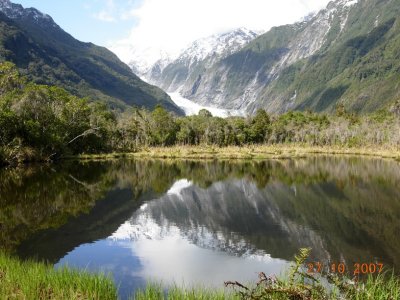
376, 288
33, 280
373, 288
274, 151
154, 291
297, 284
280, 151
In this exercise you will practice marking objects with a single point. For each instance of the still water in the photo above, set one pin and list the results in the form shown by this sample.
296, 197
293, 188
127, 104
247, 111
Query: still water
201, 223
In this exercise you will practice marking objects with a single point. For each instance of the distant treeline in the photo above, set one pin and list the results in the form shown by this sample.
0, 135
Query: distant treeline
39, 122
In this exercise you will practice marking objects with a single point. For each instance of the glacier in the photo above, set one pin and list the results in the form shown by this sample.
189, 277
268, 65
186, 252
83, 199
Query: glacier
191, 108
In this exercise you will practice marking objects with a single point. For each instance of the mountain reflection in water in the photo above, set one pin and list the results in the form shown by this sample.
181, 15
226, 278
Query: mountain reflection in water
202, 222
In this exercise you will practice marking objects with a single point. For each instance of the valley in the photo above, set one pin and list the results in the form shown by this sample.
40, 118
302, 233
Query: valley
175, 149
344, 54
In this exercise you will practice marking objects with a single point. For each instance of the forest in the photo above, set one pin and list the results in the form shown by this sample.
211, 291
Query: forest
45, 123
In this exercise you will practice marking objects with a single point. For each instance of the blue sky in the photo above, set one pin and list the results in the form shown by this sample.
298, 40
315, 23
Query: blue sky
157, 27
87, 20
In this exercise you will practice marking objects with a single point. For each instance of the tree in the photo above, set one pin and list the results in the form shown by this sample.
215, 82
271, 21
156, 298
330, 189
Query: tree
186, 134
164, 127
204, 113
10, 79
259, 127
239, 130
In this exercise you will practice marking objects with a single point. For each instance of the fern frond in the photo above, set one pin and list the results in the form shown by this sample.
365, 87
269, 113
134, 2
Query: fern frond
300, 259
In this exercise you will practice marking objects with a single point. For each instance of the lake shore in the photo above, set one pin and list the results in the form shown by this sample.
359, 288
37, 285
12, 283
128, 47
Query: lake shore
36, 280
246, 152
28, 279
256, 152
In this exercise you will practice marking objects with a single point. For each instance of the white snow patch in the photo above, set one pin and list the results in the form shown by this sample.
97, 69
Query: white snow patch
191, 108
178, 186
376, 21
351, 3
143, 59
218, 44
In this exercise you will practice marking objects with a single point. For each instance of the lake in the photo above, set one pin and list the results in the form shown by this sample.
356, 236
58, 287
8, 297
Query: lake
201, 222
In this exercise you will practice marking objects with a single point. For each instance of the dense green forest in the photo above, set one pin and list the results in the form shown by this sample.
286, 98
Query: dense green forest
39, 122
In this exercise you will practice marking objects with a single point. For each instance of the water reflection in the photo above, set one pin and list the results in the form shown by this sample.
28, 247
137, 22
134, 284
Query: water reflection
202, 222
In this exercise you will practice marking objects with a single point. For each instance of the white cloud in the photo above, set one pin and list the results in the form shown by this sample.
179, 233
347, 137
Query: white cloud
107, 14
169, 25
104, 16
110, 3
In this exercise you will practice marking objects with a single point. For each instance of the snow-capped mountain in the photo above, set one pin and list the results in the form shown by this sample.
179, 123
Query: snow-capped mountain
142, 60
239, 81
144, 63
296, 66
203, 71
219, 46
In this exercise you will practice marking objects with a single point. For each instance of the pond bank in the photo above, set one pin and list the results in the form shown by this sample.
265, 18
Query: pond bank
247, 152
34, 280
284, 151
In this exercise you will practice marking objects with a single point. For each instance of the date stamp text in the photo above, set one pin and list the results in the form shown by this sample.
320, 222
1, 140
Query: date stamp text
341, 268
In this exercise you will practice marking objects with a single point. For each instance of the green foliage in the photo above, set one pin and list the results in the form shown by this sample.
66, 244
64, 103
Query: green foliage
204, 113
10, 78
48, 119
33, 280
158, 292
50, 56
164, 127
40, 122
299, 260
259, 126
305, 287
357, 64
357, 69
381, 287
308, 286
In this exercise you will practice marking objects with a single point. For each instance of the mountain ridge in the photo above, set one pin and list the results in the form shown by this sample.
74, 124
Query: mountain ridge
344, 54
49, 55
200, 54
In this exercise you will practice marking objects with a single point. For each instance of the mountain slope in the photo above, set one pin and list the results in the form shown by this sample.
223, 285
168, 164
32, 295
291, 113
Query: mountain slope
347, 53
197, 59
49, 55
358, 65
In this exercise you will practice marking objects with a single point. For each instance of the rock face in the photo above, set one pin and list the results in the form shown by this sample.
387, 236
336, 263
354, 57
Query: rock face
347, 53
48, 55
16, 11
175, 74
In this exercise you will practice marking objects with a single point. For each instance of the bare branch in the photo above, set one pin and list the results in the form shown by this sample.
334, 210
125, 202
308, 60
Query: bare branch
85, 133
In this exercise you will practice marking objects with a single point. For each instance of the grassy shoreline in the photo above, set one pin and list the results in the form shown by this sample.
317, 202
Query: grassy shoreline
34, 280
246, 152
